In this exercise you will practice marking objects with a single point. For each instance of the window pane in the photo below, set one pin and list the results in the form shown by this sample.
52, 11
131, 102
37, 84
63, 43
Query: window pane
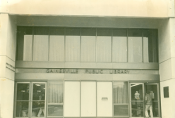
23, 91
55, 110
137, 100
103, 49
88, 48
155, 109
134, 49
121, 110
22, 109
38, 109
56, 51
27, 53
55, 92
119, 49
72, 48
120, 92
38, 91
40, 48
152, 44
137, 109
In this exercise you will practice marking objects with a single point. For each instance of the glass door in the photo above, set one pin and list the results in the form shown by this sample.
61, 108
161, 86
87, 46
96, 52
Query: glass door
153, 90
137, 99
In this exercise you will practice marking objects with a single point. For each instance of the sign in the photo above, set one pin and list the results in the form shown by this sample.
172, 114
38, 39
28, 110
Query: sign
88, 71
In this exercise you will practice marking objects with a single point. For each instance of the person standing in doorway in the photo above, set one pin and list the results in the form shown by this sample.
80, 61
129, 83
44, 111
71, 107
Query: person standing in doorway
148, 104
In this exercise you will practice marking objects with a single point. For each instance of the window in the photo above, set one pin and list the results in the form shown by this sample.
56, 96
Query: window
120, 99
103, 45
31, 99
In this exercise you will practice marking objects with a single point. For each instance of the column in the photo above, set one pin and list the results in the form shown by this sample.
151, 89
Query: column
167, 66
7, 64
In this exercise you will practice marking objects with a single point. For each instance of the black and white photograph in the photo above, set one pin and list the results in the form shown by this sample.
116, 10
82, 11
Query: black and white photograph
87, 58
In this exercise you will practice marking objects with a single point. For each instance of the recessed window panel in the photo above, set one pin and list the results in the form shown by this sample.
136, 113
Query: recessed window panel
38, 109
28, 48
103, 49
40, 48
23, 91
88, 48
38, 91
55, 110
134, 49
56, 51
22, 109
121, 110
73, 48
119, 49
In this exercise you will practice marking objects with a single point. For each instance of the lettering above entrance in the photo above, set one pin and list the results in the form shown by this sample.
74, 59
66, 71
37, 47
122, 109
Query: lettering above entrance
88, 71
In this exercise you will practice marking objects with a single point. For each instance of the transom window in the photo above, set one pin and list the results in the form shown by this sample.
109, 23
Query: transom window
87, 44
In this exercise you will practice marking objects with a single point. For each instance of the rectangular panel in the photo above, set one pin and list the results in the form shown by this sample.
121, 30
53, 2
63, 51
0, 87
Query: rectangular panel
56, 51
134, 49
121, 110
104, 99
27, 53
72, 99
72, 48
40, 48
103, 50
119, 49
55, 110
88, 99
88, 48
145, 50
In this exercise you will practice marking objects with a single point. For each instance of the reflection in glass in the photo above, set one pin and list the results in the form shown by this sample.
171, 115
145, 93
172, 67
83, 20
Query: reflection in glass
121, 110
38, 91
137, 100
38, 109
22, 109
55, 110
23, 91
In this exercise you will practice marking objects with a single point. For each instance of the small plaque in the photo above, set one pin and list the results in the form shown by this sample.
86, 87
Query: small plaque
104, 98
166, 92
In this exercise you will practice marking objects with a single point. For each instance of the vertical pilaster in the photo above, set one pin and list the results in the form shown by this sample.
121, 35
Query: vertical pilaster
167, 66
7, 64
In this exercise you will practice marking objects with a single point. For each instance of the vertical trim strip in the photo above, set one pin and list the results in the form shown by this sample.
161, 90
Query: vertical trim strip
142, 48
127, 45
49, 46
112, 47
32, 42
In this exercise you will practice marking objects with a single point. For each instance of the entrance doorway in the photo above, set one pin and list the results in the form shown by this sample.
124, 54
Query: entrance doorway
137, 99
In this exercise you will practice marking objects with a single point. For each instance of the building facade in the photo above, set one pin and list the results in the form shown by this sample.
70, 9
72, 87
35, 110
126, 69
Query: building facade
90, 59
